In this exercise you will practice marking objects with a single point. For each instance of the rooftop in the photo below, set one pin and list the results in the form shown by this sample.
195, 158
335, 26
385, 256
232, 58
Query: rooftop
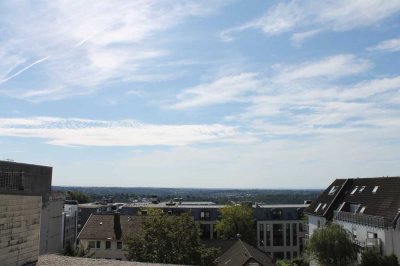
101, 226
378, 196
50, 260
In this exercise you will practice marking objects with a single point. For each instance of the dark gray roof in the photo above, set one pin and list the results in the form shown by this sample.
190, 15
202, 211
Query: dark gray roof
385, 202
101, 226
241, 253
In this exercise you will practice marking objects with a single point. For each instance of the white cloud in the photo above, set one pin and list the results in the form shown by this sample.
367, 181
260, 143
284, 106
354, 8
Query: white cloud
299, 37
392, 45
338, 15
83, 132
223, 90
330, 67
89, 44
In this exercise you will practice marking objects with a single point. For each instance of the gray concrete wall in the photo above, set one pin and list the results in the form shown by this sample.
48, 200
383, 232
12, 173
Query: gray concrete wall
19, 229
51, 229
37, 179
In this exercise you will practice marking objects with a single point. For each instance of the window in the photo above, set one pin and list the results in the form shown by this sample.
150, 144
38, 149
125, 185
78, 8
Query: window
92, 244
277, 214
204, 215
324, 206
268, 230
362, 209
287, 234
294, 254
294, 229
333, 190
108, 244
354, 190
288, 257
261, 242
119, 245
372, 235
98, 244
277, 230
316, 209
361, 189
375, 189
205, 231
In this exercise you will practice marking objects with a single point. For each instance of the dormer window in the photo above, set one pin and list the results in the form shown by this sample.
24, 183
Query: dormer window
375, 189
316, 209
361, 189
354, 190
333, 190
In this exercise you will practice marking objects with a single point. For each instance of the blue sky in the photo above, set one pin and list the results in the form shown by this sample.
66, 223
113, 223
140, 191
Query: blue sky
239, 94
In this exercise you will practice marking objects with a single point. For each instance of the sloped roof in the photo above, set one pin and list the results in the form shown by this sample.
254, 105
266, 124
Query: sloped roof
385, 202
240, 253
101, 226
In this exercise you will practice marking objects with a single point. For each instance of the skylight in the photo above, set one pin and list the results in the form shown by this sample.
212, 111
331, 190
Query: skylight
375, 189
333, 190
361, 189
324, 206
316, 209
362, 209
354, 190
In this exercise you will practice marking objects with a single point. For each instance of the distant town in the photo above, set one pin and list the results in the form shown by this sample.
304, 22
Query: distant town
240, 227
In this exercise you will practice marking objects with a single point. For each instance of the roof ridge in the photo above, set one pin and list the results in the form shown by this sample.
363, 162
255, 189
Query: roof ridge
244, 246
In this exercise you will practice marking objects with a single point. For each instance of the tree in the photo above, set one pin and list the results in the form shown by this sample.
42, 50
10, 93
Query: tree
371, 258
237, 219
78, 196
169, 239
332, 245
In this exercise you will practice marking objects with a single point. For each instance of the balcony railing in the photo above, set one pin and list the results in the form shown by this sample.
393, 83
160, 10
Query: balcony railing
363, 219
370, 243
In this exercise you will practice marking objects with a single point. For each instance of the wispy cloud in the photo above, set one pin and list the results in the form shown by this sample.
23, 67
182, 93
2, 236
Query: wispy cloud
331, 67
84, 132
222, 90
299, 37
311, 15
90, 44
392, 45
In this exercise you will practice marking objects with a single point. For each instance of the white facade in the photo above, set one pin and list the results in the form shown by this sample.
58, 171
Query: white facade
104, 249
70, 224
314, 222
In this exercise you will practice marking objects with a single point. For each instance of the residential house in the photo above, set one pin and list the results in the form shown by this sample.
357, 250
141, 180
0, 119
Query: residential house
103, 234
243, 254
369, 208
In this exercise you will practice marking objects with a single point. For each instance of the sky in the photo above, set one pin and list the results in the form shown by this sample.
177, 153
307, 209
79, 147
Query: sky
206, 94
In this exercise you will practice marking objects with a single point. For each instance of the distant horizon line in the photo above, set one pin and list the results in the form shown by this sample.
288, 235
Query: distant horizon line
197, 188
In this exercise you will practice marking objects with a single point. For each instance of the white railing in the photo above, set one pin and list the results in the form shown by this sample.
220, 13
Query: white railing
363, 219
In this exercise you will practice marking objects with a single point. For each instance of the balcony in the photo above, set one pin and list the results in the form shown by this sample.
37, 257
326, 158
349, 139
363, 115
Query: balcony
370, 243
362, 219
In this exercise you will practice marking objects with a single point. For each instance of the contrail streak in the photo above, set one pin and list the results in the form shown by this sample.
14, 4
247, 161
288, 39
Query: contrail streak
24, 69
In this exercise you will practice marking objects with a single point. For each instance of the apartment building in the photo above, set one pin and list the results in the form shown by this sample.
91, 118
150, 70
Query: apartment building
280, 229
70, 223
103, 234
369, 208
205, 214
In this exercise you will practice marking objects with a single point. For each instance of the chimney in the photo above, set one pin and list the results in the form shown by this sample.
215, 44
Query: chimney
117, 226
